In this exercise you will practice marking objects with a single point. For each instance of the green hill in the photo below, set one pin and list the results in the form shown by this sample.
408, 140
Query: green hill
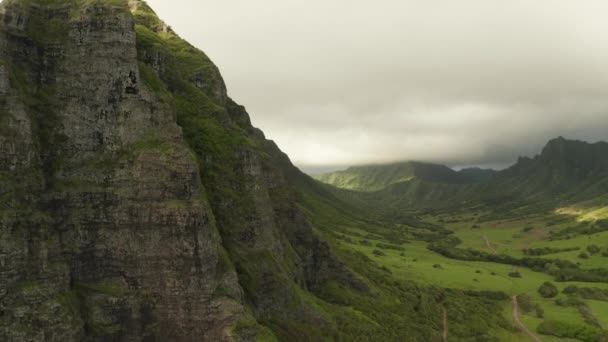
565, 171
378, 177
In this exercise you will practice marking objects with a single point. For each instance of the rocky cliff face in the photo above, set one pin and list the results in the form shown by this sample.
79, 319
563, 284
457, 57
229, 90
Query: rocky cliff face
116, 225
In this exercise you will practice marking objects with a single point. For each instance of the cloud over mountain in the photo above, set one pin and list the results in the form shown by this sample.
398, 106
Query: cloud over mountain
467, 82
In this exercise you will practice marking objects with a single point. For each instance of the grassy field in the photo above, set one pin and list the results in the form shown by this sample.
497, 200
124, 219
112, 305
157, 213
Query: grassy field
511, 237
417, 263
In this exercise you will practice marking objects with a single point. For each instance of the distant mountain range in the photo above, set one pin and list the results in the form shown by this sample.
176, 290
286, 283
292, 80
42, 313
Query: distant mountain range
565, 171
379, 176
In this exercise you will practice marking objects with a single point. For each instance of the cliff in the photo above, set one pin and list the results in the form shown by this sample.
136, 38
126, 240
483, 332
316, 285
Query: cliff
137, 201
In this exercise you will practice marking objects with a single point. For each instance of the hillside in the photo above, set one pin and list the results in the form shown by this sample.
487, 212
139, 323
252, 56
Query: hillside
377, 177
566, 171
138, 203
540, 224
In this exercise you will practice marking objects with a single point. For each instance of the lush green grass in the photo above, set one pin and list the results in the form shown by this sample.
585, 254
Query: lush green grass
511, 236
600, 310
418, 264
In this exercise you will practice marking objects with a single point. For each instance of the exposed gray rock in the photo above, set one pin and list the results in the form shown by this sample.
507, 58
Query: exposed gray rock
112, 228
113, 240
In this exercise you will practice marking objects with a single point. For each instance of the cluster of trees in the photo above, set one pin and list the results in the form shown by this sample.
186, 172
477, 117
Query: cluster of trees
583, 332
547, 250
389, 246
494, 295
527, 305
562, 270
582, 229
548, 290
587, 292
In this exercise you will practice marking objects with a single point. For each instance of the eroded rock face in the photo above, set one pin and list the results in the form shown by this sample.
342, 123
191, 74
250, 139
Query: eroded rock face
105, 233
117, 224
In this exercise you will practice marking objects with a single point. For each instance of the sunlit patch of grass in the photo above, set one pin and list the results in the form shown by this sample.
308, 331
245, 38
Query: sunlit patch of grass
584, 214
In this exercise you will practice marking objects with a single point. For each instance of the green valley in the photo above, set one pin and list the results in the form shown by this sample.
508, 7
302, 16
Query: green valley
497, 239
138, 202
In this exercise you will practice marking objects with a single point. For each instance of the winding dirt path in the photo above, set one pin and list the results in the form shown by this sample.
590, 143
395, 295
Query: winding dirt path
489, 245
520, 324
445, 324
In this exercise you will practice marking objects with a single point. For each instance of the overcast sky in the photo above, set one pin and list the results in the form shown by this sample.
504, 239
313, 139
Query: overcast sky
468, 82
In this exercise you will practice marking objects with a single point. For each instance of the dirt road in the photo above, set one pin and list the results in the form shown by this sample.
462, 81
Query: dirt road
520, 324
489, 245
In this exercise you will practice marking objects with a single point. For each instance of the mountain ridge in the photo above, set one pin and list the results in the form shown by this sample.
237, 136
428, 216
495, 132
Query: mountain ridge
564, 171
570, 153
376, 177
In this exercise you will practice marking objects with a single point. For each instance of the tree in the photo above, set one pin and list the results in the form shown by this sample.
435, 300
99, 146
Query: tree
378, 253
593, 249
540, 313
548, 290
514, 274
526, 303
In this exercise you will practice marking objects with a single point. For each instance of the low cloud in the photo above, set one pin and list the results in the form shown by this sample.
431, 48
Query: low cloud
472, 82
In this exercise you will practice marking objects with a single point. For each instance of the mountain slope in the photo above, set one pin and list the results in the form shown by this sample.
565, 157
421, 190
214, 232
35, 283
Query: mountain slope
378, 177
137, 202
563, 166
566, 171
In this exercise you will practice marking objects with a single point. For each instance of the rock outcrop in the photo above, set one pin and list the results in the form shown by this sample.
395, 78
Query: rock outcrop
137, 202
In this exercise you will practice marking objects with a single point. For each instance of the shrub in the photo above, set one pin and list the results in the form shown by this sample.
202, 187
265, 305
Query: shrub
548, 290
378, 252
494, 295
593, 249
583, 255
569, 301
570, 330
526, 304
587, 292
540, 313
388, 246
514, 274
386, 269
547, 250
437, 266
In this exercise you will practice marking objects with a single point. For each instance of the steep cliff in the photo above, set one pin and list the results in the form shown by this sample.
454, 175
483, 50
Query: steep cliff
137, 202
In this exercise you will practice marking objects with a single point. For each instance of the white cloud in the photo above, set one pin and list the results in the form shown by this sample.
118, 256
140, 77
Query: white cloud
346, 81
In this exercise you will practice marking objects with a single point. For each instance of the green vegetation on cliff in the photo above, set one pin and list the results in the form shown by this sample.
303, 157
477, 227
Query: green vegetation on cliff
139, 203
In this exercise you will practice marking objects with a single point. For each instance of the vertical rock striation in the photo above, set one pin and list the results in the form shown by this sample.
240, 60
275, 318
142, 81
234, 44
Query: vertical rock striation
106, 233
117, 226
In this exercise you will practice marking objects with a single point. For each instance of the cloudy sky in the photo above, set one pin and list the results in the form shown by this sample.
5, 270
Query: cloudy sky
468, 82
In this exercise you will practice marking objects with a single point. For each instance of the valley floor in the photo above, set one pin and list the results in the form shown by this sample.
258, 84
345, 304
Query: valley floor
563, 317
